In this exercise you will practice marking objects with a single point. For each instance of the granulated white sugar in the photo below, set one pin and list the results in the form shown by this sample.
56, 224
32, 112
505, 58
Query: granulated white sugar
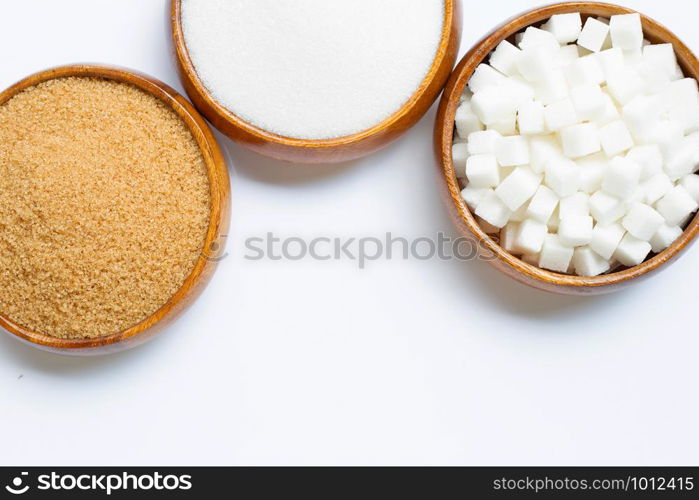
312, 69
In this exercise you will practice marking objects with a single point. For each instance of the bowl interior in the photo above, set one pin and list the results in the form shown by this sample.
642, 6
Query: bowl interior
218, 214
466, 221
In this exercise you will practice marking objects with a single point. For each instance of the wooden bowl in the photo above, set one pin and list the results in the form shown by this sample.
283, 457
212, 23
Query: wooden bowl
465, 221
330, 150
218, 217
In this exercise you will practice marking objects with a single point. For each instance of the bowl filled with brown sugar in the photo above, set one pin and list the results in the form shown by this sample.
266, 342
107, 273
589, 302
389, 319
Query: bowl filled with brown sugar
114, 203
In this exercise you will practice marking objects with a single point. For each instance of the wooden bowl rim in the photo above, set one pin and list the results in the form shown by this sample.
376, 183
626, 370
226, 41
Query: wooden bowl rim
445, 132
216, 170
265, 136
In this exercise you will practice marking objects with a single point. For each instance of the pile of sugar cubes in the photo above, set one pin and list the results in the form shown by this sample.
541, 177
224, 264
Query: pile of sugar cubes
578, 145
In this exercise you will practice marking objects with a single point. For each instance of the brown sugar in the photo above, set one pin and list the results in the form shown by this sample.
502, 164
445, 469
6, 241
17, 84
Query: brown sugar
104, 206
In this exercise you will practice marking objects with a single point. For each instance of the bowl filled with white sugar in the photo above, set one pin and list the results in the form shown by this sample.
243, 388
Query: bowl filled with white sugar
568, 140
315, 81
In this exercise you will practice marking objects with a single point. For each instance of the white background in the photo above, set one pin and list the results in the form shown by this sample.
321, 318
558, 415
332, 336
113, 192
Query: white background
406, 362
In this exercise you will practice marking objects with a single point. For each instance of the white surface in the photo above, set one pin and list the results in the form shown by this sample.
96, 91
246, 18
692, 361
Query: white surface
436, 362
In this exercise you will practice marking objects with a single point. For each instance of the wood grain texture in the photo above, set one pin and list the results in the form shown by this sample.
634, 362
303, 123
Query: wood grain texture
461, 215
215, 237
330, 150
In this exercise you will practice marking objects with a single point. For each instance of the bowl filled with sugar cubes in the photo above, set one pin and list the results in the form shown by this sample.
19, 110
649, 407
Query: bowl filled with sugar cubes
568, 141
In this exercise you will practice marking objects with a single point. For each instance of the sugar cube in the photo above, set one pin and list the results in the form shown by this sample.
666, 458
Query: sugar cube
661, 55
530, 236
518, 187
606, 208
565, 27
459, 154
610, 60
493, 210
560, 114
655, 78
493, 104
553, 221
608, 41
638, 196
506, 126
642, 221
552, 87
592, 170
641, 115
588, 263
624, 84
576, 204
678, 74
482, 142
691, 184
575, 230
522, 90
633, 57
541, 150
682, 161
584, 71
567, 54
482, 171
626, 31
520, 214
535, 37
668, 135
466, 120
681, 93
621, 178
484, 76
530, 118
543, 204
508, 236
610, 114
554, 255
649, 158
676, 205
593, 35
656, 187
534, 63
504, 58
562, 176
589, 101
664, 237
632, 251
605, 239
580, 140
686, 117
472, 195
512, 151
615, 138
694, 136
